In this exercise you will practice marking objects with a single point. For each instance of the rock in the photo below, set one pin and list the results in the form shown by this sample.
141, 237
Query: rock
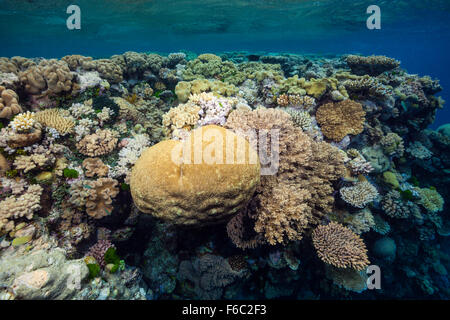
43, 275
206, 188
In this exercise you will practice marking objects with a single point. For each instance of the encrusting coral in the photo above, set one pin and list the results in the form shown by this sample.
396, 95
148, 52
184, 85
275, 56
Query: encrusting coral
340, 119
340, 247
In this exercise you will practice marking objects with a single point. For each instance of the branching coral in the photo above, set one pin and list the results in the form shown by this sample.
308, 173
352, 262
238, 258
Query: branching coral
96, 196
340, 247
392, 144
183, 117
209, 274
98, 251
99, 143
359, 195
395, 207
340, 119
9, 104
300, 192
23, 122
52, 118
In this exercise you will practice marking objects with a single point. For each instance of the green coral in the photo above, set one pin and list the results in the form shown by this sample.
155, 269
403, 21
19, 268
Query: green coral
431, 200
70, 173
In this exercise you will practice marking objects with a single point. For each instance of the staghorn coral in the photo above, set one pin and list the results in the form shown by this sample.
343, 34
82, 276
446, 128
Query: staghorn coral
340, 119
95, 167
340, 247
96, 196
18, 206
359, 165
299, 193
359, 195
53, 118
372, 65
9, 104
97, 144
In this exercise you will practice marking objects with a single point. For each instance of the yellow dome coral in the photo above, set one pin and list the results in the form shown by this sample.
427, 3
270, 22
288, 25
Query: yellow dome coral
340, 119
203, 190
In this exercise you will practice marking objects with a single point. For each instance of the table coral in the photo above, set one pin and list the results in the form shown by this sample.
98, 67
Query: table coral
340, 247
372, 65
340, 119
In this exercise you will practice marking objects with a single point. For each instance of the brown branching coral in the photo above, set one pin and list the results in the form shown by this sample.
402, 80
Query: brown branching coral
52, 118
300, 192
9, 104
340, 247
96, 196
95, 166
99, 143
18, 206
340, 119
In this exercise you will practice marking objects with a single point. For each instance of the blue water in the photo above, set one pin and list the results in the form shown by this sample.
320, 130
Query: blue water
414, 32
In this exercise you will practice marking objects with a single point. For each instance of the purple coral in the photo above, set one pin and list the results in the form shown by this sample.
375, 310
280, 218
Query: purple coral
98, 251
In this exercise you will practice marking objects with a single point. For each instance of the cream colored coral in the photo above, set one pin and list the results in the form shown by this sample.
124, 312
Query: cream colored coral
9, 104
28, 163
185, 116
52, 118
96, 196
99, 143
16, 207
360, 194
95, 166
23, 122
49, 77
